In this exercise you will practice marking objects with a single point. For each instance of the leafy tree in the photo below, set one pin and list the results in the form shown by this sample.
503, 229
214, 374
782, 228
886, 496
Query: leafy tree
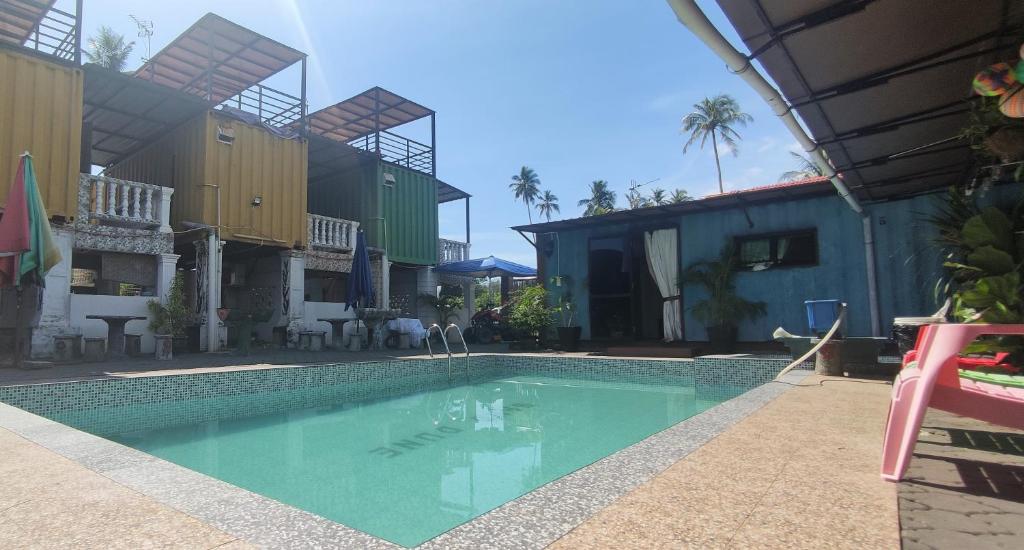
715, 117
680, 195
529, 312
807, 169
601, 201
636, 200
526, 186
659, 197
548, 204
108, 49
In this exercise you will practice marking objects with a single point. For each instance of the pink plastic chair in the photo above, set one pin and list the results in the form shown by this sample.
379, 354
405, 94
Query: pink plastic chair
935, 382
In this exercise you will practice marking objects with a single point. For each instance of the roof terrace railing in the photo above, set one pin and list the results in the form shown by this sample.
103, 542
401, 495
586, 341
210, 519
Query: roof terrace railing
274, 107
398, 150
56, 33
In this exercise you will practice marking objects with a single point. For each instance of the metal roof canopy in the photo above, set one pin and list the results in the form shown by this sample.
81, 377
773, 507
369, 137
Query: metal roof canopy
126, 114
327, 156
883, 85
217, 59
805, 188
374, 110
39, 26
19, 18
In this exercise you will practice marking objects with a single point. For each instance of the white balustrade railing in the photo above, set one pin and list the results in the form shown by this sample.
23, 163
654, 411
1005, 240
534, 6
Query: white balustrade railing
451, 251
331, 233
124, 202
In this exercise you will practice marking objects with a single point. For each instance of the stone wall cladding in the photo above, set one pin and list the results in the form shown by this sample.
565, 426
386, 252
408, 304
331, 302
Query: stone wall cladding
107, 238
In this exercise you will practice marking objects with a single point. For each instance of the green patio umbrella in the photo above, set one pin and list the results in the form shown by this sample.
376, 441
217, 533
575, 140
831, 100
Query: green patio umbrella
27, 249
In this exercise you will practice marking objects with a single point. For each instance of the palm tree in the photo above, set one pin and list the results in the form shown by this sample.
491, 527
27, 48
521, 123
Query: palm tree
601, 201
526, 186
808, 169
658, 197
680, 195
548, 204
715, 117
108, 49
636, 200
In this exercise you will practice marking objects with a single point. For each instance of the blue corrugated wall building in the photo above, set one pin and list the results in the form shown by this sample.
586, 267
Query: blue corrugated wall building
908, 263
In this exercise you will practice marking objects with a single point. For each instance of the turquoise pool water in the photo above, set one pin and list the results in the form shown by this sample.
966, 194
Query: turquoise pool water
409, 468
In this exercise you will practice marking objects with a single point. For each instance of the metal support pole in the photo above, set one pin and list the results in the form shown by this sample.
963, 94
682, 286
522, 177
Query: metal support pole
376, 121
209, 69
78, 32
433, 151
467, 220
304, 109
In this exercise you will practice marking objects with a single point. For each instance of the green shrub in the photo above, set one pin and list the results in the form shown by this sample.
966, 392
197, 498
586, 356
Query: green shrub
529, 311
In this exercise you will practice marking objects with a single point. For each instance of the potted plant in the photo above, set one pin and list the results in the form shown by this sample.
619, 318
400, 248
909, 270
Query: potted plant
530, 315
168, 321
446, 302
568, 333
984, 251
722, 310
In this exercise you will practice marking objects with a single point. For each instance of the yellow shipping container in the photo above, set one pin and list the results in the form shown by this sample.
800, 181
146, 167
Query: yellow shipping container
41, 112
255, 167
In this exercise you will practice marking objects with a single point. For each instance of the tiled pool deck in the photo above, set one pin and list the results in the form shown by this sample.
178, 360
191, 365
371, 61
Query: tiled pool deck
778, 467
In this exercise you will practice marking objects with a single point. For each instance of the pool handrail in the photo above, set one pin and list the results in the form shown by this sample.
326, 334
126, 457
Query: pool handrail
444, 340
462, 337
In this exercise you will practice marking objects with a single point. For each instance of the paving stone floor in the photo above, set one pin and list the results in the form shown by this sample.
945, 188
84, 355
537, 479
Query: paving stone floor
964, 487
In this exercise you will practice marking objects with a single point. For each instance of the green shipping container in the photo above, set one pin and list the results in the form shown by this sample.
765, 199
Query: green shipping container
391, 203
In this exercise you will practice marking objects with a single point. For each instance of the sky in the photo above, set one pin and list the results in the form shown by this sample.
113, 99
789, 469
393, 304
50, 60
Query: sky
578, 90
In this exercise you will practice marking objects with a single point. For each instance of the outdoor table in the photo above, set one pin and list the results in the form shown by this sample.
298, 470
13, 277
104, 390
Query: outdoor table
336, 325
115, 331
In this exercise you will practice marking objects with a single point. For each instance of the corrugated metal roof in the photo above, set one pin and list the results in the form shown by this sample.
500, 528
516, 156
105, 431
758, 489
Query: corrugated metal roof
365, 113
884, 86
19, 18
238, 58
126, 113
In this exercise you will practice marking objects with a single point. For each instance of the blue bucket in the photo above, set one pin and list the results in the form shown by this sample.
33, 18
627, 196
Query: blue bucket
821, 314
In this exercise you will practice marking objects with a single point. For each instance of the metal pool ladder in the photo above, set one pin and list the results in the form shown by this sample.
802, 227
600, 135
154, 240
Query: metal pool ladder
464, 346
444, 340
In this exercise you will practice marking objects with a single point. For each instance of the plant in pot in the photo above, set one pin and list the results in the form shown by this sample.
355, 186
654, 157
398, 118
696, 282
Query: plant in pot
168, 321
568, 332
722, 310
530, 316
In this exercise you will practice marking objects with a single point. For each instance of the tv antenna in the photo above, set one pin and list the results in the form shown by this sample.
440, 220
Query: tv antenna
633, 185
145, 31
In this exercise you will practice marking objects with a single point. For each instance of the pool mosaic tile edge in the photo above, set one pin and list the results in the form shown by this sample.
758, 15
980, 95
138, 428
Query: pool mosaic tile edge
533, 520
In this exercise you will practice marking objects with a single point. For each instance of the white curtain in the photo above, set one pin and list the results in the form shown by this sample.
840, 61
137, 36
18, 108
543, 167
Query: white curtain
663, 261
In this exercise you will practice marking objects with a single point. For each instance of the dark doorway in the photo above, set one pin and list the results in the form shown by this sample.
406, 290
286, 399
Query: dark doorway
625, 303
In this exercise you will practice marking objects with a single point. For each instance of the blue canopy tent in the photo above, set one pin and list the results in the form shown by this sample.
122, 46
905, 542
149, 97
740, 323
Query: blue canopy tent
488, 267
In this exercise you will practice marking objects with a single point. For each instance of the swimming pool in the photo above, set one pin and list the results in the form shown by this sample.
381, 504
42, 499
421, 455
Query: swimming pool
397, 450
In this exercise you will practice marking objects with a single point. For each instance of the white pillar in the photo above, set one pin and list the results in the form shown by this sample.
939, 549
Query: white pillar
213, 269
166, 267
294, 315
55, 316
165, 209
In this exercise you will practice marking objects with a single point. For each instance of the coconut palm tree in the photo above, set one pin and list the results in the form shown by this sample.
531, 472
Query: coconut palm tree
548, 204
108, 49
715, 117
680, 195
658, 197
601, 201
526, 186
807, 169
